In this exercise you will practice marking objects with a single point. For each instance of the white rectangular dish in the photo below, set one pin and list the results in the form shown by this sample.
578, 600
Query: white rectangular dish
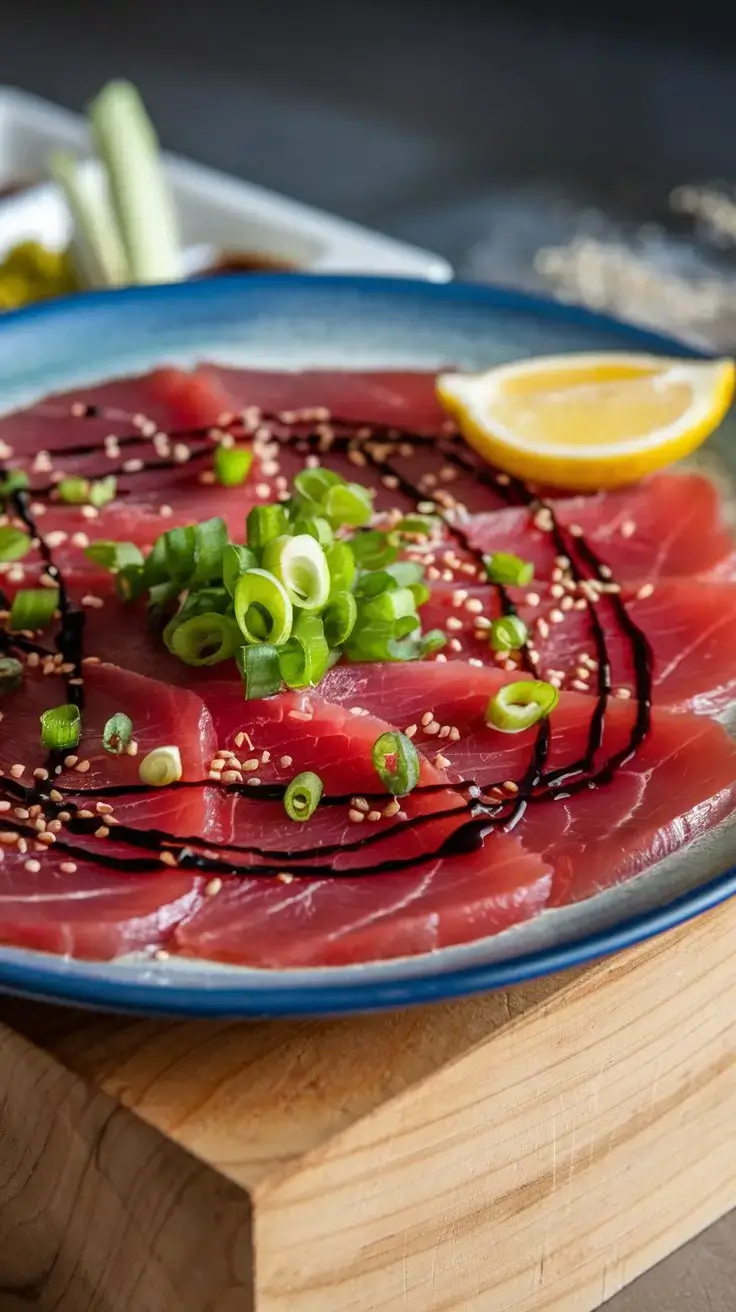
216, 211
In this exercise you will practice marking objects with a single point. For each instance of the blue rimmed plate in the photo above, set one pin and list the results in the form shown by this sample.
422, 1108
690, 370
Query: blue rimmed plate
289, 322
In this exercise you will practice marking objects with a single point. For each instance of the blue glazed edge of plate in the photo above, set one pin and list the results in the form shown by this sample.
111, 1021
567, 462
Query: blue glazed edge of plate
70, 981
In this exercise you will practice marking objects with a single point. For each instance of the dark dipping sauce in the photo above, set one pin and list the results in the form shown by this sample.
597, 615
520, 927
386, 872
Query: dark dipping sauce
247, 262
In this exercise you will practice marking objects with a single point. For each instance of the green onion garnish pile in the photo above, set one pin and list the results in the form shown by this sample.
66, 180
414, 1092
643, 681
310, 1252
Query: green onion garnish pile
310, 585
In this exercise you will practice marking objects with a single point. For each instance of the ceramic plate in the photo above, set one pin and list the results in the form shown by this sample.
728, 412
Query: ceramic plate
286, 322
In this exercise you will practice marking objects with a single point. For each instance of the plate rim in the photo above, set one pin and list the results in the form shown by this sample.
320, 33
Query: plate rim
65, 980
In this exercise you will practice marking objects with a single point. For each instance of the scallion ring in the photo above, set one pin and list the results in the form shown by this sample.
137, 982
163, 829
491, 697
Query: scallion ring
203, 639
302, 796
396, 762
314, 484
508, 633
264, 523
33, 608
317, 528
117, 733
348, 503
342, 567
504, 568
11, 674
160, 767
304, 659
258, 588
301, 565
14, 543
232, 464
339, 618
374, 549
61, 727
260, 670
519, 706
235, 561
114, 555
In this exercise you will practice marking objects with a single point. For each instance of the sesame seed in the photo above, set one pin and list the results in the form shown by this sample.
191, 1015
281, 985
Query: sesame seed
32, 866
543, 519
214, 775
543, 628
206, 477
8, 838
55, 539
33, 660
432, 728
80, 540
68, 867
167, 858
17, 770
579, 686
556, 591
374, 816
645, 591
40, 773
132, 466
532, 599
453, 623
232, 777
181, 453
94, 603
605, 572
556, 617
82, 767
263, 490
503, 480
459, 596
455, 644
265, 758
4, 806
441, 761
254, 783
510, 787
474, 605
89, 512
213, 887
454, 734
285, 877
575, 531
218, 764
566, 604
355, 816
580, 605
285, 762
161, 954
239, 739
411, 730
102, 832
623, 693
483, 623
307, 715
402, 816
392, 808
628, 528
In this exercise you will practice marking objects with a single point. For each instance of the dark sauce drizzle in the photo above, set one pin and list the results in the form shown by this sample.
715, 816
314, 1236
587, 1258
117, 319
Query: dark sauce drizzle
477, 814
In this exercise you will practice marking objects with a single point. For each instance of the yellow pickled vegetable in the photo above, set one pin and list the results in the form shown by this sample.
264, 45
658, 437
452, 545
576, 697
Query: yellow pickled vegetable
30, 272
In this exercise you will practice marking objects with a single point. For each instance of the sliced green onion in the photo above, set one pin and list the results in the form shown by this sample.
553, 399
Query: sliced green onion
301, 565
160, 767
259, 589
339, 618
260, 670
518, 706
433, 640
264, 523
117, 733
348, 503
137, 184
235, 561
205, 599
204, 639
113, 555
396, 762
419, 525
210, 540
96, 248
502, 567
317, 528
171, 557
11, 674
80, 491
342, 567
61, 727
73, 491
302, 796
374, 549
16, 480
14, 543
232, 464
508, 633
130, 582
305, 657
393, 605
314, 484
103, 490
420, 592
33, 608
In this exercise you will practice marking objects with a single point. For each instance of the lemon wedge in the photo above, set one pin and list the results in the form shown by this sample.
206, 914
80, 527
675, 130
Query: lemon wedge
589, 421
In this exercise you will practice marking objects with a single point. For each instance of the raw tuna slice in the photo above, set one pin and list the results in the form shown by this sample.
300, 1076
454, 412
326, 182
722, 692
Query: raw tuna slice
93, 910
338, 920
669, 525
681, 782
688, 623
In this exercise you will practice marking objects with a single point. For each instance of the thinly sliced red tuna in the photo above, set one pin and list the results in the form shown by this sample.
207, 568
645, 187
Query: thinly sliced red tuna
94, 910
338, 919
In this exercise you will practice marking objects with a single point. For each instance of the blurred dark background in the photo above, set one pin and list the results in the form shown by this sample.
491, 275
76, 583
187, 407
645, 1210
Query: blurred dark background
439, 122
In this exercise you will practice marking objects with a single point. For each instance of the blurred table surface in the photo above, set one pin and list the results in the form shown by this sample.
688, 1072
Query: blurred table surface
422, 119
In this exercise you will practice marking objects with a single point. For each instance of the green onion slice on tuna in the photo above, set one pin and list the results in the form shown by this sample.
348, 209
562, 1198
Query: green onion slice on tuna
305, 657
300, 564
203, 639
264, 523
11, 674
14, 543
33, 608
61, 727
396, 762
339, 618
263, 610
508, 633
160, 767
117, 733
504, 568
113, 555
518, 706
260, 670
232, 464
302, 796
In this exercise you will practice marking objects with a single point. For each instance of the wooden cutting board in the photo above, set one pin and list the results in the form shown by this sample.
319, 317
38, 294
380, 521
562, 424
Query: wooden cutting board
533, 1150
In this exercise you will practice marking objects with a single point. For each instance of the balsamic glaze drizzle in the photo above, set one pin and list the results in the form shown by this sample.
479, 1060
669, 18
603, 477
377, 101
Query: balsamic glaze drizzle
478, 814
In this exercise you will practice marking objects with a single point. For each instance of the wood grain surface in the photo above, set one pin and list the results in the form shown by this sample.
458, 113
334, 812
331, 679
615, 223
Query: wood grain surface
532, 1150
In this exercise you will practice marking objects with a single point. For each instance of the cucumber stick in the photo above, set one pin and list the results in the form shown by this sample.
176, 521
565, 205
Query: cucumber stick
96, 248
139, 194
